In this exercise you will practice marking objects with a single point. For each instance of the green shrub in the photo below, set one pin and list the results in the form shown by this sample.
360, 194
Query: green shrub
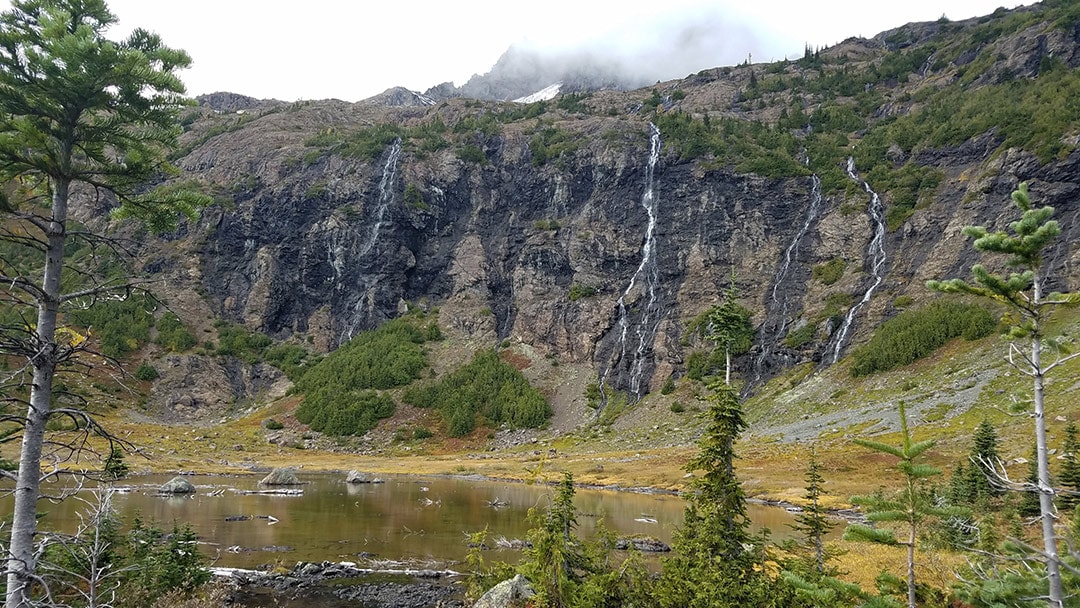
592, 395
572, 102
272, 425
414, 197
678, 407
146, 372
420, 433
578, 291
703, 363
801, 336
338, 395
172, 335
669, 386
338, 412
829, 272
470, 153
913, 334
290, 358
552, 143
122, 326
237, 341
164, 562
488, 388
365, 144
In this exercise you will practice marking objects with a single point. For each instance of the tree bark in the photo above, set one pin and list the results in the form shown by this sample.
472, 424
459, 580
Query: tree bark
21, 559
1046, 495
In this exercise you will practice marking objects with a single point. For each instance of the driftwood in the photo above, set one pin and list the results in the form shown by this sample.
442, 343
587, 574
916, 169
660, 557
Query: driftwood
275, 492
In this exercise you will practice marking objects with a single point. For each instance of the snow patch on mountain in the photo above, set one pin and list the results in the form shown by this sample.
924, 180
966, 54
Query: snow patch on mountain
543, 94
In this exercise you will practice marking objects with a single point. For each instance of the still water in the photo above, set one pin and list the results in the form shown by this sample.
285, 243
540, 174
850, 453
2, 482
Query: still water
422, 521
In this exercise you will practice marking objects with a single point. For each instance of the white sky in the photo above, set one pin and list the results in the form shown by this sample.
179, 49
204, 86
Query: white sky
353, 49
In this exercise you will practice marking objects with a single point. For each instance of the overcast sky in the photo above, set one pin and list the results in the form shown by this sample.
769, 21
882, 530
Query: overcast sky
353, 49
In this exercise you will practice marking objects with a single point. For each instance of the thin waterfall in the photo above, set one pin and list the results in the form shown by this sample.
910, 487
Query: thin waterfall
386, 195
777, 306
647, 274
365, 303
875, 251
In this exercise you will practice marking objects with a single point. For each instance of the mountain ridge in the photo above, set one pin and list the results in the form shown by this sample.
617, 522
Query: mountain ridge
493, 214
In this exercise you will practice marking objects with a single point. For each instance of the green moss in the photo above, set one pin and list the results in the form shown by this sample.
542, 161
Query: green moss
829, 272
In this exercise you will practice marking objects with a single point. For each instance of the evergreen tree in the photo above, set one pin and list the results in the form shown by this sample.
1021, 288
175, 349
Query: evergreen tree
568, 571
713, 565
1028, 506
911, 507
729, 327
1022, 292
984, 457
75, 109
813, 523
1070, 468
961, 490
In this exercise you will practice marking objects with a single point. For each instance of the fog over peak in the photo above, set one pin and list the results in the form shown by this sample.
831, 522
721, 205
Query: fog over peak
624, 55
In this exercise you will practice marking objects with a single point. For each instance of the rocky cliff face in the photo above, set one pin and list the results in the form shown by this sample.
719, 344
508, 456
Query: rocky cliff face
597, 255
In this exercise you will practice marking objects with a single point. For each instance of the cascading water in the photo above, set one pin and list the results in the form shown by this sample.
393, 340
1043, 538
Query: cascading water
875, 251
386, 196
647, 274
776, 309
365, 302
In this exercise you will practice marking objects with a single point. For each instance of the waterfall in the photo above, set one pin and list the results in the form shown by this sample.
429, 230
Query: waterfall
875, 251
776, 309
364, 304
386, 195
647, 274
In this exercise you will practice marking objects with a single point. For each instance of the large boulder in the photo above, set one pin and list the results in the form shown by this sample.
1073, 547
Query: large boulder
281, 477
177, 485
511, 593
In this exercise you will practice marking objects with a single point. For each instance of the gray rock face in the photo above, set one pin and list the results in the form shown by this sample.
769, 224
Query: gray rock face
511, 593
177, 485
321, 245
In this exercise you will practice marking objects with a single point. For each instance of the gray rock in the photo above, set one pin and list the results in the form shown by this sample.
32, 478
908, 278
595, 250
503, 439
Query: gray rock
280, 477
645, 544
510, 593
355, 476
177, 485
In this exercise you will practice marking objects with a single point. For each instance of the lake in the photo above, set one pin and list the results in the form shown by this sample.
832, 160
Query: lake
419, 521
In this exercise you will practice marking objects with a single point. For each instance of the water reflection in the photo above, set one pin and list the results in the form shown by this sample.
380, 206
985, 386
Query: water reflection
423, 521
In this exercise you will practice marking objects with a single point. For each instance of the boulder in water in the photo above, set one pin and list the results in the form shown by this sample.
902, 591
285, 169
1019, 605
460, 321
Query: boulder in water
356, 477
281, 477
177, 485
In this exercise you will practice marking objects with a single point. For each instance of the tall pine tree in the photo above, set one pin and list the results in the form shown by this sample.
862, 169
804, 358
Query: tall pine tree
1023, 292
76, 110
